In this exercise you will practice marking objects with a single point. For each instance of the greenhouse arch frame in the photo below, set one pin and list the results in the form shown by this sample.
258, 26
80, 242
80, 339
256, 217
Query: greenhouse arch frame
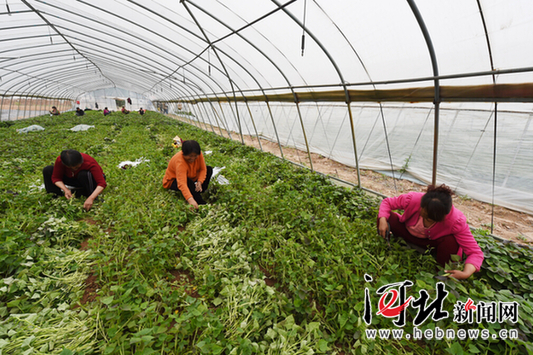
443, 91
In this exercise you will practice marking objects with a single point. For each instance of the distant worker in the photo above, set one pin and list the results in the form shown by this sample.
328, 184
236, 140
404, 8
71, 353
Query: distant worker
96, 105
106, 111
54, 112
78, 170
429, 221
187, 172
124, 111
79, 112
141, 111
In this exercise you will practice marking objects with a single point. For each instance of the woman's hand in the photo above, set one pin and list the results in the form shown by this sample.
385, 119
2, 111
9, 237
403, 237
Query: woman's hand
468, 270
88, 203
383, 226
198, 186
193, 202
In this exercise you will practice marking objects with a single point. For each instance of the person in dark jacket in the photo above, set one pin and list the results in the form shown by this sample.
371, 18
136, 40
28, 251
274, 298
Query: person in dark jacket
55, 111
79, 112
78, 170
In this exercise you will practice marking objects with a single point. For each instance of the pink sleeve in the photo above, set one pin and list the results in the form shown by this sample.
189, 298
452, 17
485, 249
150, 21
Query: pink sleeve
393, 203
468, 244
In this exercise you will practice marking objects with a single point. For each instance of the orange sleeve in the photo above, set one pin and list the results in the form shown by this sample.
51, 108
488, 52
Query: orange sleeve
202, 169
181, 177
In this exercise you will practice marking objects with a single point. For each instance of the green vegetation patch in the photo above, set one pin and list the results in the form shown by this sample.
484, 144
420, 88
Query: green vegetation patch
274, 264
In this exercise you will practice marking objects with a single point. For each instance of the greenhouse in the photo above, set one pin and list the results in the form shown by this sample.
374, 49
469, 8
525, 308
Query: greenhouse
284, 258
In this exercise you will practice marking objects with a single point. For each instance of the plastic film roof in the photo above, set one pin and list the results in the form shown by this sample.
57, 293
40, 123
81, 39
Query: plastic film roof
362, 82
184, 49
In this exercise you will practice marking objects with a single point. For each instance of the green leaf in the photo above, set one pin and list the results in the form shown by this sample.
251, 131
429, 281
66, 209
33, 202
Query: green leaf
313, 326
13, 303
135, 340
217, 301
323, 345
216, 349
144, 331
28, 341
343, 318
147, 338
455, 349
150, 292
473, 350
108, 300
66, 352
498, 278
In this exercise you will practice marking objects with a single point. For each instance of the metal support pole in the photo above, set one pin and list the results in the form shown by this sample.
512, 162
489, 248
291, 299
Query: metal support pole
9, 112
305, 135
253, 123
435, 66
224, 116
2, 106
219, 121
25, 105
275, 129
494, 164
350, 115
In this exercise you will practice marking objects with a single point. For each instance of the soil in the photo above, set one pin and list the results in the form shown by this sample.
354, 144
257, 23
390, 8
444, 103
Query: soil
269, 279
91, 289
185, 279
508, 224
85, 244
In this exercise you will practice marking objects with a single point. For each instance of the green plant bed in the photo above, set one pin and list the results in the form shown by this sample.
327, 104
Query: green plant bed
274, 264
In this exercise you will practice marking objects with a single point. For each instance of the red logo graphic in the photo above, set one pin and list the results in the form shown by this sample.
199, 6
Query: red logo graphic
470, 305
386, 310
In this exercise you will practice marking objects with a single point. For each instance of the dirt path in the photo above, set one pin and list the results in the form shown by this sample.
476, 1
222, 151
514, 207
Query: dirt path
508, 224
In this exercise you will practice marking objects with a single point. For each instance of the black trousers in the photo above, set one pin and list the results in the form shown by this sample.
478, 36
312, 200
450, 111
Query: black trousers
84, 182
190, 184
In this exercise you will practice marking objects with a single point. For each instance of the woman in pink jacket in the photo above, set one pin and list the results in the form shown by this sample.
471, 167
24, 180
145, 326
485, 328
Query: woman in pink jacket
431, 221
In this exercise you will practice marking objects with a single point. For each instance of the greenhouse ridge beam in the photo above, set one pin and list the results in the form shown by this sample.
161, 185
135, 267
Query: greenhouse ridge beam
478, 93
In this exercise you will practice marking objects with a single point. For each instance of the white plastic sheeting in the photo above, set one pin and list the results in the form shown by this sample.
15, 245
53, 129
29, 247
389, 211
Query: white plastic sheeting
207, 54
169, 50
81, 128
32, 128
465, 157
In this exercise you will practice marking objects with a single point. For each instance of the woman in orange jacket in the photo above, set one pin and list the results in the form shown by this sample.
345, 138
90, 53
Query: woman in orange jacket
188, 173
